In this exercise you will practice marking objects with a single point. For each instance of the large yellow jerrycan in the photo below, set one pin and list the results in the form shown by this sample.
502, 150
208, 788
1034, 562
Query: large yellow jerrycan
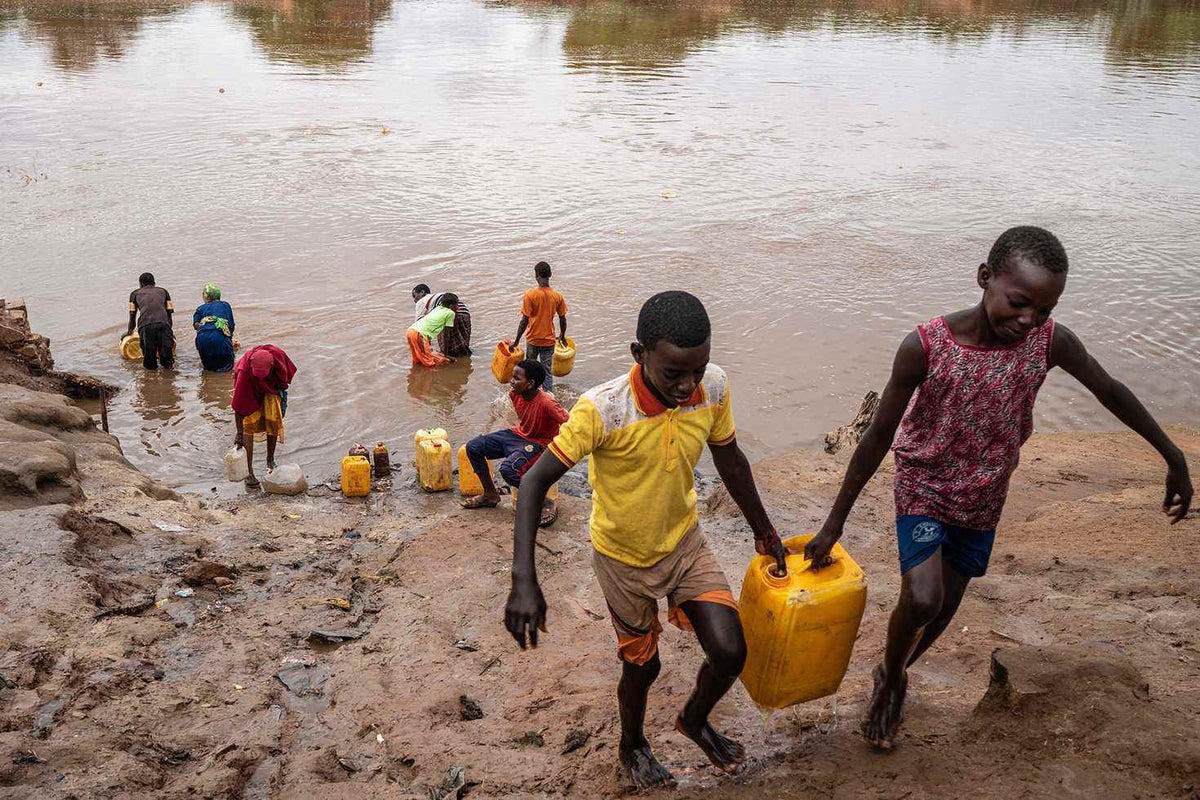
468, 481
503, 361
800, 628
434, 465
564, 358
356, 476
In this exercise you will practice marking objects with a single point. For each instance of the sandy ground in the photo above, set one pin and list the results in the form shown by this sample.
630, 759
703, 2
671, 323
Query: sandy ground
116, 686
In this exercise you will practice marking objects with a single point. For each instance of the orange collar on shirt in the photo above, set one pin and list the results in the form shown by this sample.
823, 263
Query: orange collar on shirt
645, 400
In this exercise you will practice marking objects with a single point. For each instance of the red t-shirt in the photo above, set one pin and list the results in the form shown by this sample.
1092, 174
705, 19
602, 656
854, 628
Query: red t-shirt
540, 417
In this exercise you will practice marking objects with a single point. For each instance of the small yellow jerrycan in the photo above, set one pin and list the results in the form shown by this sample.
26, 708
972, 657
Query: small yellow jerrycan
356, 476
434, 462
429, 435
503, 361
564, 358
468, 481
800, 628
131, 347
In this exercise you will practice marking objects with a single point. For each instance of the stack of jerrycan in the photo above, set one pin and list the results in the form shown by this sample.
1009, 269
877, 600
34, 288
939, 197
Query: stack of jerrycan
468, 481
434, 459
564, 358
503, 361
800, 627
356, 473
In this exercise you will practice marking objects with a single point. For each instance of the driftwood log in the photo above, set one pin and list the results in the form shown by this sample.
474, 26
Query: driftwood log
848, 435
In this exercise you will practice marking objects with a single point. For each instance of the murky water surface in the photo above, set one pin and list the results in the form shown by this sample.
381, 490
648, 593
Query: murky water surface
823, 174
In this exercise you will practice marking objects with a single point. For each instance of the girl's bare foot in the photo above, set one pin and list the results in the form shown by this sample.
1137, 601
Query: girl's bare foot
886, 711
252, 482
725, 754
642, 768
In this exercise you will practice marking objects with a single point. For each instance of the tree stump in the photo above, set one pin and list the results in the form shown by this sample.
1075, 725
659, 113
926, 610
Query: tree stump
848, 435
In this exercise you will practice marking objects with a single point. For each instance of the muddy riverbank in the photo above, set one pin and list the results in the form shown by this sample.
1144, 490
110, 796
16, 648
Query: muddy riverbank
154, 644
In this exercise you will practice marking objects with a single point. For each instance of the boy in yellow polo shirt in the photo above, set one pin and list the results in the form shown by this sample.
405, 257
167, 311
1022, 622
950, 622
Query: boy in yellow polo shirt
644, 432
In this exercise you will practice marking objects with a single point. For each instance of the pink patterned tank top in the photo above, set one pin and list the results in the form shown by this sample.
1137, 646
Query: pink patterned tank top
961, 436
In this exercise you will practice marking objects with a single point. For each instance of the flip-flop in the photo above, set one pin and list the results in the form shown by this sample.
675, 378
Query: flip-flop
473, 503
252, 482
549, 516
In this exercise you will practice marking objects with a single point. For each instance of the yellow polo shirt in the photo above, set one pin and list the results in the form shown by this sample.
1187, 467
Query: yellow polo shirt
642, 458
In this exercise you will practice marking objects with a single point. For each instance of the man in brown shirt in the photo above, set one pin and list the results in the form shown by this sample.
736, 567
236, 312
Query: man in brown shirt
151, 310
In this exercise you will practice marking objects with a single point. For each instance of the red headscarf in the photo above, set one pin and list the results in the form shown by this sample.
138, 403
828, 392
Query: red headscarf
261, 371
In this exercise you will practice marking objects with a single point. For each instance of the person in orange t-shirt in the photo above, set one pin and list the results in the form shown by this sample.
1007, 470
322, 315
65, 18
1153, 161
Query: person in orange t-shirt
538, 309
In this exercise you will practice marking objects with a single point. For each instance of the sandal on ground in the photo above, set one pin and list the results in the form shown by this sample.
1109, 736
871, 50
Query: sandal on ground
252, 482
479, 501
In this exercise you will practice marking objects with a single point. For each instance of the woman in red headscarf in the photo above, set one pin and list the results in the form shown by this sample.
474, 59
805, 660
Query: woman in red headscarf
260, 382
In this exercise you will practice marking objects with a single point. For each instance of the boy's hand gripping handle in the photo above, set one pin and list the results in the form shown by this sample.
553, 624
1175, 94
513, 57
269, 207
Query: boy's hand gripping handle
771, 545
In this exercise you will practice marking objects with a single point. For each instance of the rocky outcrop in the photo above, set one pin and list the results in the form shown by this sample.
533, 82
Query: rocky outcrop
47, 448
25, 358
17, 338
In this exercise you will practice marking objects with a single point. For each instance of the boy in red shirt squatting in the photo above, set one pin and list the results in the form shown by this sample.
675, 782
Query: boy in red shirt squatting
645, 431
540, 416
962, 391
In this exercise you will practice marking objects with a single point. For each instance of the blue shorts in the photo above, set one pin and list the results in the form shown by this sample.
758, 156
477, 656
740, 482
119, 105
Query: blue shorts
967, 550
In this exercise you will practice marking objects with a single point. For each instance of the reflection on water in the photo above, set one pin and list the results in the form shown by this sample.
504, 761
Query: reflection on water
823, 173
630, 36
649, 36
442, 389
78, 35
158, 396
215, 394
325, 33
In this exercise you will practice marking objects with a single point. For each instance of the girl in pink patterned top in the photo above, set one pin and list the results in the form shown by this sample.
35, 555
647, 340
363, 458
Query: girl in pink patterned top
961, 393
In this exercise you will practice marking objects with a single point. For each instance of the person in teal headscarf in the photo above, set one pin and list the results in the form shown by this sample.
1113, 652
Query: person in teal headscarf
213, 322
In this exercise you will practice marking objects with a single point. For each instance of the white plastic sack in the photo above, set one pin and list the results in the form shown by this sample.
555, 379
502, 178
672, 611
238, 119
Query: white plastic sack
285, 479
235, 465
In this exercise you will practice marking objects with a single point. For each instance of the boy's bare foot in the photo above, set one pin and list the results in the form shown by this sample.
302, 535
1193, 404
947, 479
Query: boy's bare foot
725, 754
549, 514
642, 768
252, 482
887, 710
479, 501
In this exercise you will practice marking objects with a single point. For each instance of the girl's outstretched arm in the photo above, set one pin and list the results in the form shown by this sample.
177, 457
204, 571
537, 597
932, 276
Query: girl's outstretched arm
908, 370
1068, 352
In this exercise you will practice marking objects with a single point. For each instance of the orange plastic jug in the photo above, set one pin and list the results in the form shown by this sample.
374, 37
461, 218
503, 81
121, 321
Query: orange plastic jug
564, 358
503, 361
800, 628
356, 476
468, 481
434, 465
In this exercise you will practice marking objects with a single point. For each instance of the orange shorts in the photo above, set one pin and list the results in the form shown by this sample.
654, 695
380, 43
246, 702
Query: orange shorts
689, 573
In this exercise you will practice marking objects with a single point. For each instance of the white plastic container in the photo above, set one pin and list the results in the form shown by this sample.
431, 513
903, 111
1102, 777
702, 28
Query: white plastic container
235, 465
285, 479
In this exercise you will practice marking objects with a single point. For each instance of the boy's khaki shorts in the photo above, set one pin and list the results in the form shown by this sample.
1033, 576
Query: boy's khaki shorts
690, 572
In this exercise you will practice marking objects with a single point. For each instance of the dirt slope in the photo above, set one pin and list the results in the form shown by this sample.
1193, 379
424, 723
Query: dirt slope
226, 693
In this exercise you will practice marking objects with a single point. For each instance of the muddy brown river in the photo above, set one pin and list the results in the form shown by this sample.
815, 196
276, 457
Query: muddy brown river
823, 174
